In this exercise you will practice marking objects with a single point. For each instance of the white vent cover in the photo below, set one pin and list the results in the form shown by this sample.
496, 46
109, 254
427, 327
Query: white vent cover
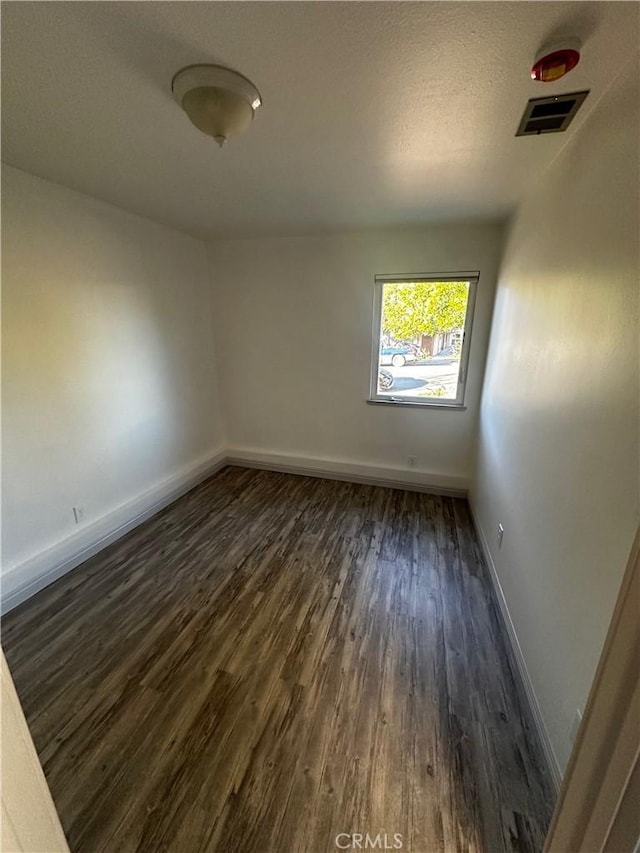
550, 115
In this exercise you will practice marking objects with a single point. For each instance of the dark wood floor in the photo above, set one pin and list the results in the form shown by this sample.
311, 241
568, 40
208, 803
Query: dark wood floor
274, 660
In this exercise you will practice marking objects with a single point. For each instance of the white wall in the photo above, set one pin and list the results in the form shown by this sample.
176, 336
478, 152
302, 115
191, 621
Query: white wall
558, 459
108, 375
293, 325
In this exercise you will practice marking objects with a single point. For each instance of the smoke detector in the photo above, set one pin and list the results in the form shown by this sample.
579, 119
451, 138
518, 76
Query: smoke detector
556, 60
219, 101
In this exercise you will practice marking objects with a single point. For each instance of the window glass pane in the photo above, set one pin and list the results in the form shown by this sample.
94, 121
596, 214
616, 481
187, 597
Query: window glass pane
421, 338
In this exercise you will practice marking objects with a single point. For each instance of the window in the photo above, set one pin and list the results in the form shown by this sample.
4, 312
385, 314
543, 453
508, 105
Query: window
421, 337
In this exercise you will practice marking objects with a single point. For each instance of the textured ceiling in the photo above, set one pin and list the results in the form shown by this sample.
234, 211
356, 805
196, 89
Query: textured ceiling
374, 113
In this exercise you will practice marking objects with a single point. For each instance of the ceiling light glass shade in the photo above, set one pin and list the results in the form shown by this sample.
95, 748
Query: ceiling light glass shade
220, 102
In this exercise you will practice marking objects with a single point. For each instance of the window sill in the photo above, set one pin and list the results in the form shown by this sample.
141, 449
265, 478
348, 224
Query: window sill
415, 405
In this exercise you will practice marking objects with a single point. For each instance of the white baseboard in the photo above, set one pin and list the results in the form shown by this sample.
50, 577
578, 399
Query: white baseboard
32, 575
553, 765
331, 469
27, 578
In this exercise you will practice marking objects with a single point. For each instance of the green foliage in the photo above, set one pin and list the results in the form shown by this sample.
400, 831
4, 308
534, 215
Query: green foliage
423, 308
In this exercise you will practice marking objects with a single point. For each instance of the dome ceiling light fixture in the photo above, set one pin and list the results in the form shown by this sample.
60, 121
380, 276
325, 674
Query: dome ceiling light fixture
219, 101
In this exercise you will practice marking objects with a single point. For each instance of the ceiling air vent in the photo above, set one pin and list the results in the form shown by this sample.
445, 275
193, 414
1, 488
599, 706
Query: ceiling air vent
550, 115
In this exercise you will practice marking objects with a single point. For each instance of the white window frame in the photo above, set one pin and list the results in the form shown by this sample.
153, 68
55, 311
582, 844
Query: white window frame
435, 402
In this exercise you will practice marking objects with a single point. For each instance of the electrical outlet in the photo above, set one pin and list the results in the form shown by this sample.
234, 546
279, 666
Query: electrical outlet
411, 461
500, 534
78, 514
575, 725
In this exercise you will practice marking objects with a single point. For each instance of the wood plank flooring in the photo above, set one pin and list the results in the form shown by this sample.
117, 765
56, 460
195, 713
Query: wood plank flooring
274, 660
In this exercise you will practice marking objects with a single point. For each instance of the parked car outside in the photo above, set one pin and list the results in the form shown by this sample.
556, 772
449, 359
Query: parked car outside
398, 355
446, 352
385, 379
